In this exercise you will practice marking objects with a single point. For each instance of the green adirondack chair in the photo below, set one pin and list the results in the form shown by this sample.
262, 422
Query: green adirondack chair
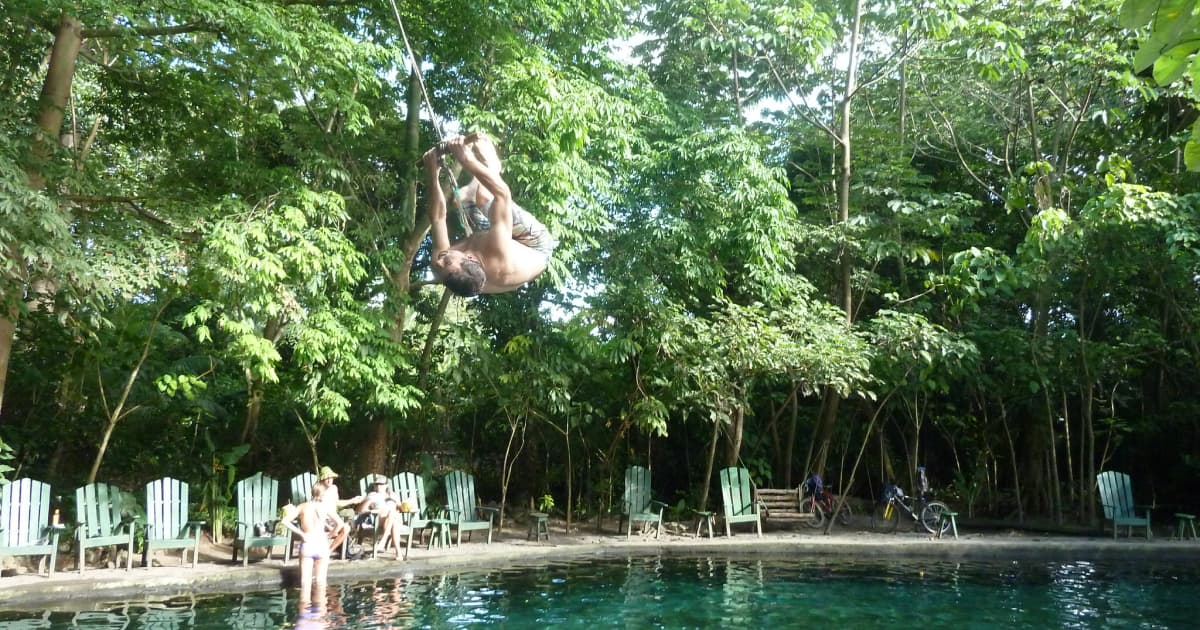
167, 522
302, 487
461, 508
737, 497
1116, 495
101, 522
637, 504
25, 528
411, 488
258, 511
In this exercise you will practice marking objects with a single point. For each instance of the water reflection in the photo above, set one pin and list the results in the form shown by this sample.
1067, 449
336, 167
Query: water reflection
749, 592
30, 623
259, 611
114, 620
170, 615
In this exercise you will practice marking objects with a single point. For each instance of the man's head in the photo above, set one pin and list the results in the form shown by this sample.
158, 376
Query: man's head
326, 474
461, 273
318, 490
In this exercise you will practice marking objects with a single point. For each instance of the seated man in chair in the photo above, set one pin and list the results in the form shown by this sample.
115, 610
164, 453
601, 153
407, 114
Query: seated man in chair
380, 508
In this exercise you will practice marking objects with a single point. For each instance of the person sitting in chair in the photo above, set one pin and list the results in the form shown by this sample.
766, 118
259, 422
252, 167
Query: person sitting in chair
382, 504
508, 246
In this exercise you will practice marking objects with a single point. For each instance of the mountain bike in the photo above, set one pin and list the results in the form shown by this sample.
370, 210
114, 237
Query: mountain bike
819, 501
920, 509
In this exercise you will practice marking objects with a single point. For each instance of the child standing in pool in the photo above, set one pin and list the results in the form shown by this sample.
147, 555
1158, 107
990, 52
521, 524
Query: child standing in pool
314, 551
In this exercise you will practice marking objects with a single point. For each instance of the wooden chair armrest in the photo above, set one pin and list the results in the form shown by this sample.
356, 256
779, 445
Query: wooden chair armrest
492, 512
658, 504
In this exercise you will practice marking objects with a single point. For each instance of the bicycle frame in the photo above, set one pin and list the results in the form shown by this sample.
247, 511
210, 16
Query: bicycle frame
907, 503
920, 509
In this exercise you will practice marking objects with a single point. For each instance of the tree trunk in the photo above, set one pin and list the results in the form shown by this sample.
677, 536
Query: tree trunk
735, 437
116, 413
832, 401
7, 335
254, 395
52, 105
1016, 468
790, 446
516, 427
374, 454
416, 222
708, 466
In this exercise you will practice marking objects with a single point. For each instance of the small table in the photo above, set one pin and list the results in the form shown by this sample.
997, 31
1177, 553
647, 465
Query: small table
704, 518
1185, 524
439, 532
943, 518
539, 526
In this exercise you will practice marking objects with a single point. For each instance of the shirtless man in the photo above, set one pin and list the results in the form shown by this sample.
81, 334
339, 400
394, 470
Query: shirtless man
508, 247
315, 548
338, 532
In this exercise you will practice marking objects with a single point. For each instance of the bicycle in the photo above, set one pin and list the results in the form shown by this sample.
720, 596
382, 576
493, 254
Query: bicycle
886, 515
819, 502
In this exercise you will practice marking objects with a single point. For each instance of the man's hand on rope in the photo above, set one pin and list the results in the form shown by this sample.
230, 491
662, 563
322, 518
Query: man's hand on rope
433, 159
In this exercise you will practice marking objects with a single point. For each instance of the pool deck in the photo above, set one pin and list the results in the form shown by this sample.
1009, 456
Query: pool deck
215, 573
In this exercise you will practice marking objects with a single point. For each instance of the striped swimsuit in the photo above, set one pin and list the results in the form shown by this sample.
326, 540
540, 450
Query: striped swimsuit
526, 229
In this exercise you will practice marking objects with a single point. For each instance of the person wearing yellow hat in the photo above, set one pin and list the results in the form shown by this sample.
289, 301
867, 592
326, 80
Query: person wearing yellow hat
338, 531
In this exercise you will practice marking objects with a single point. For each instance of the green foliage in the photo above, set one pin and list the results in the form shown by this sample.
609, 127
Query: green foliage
217, 490
1023, 244
1170, 48
6, 456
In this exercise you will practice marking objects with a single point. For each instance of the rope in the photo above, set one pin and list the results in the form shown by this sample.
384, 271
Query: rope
437, 123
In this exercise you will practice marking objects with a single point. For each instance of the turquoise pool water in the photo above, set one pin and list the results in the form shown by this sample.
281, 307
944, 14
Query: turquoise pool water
673, 592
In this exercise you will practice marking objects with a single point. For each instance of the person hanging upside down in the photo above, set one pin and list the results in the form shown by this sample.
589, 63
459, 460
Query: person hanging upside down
508, 246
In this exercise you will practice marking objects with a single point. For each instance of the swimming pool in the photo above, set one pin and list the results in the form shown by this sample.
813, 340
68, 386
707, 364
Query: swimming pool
701, 592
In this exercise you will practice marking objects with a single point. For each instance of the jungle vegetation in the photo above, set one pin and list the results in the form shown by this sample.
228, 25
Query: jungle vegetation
795, 235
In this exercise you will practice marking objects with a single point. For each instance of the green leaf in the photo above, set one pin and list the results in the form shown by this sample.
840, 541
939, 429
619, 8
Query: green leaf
1191, 154
1136, 13
1173, 63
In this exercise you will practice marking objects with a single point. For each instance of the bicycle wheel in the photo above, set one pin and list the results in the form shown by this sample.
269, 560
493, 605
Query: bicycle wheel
809, 505
885, 517
931, 517
845, 514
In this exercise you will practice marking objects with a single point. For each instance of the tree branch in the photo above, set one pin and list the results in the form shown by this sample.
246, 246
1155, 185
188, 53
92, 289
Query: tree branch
138, 209
146, 31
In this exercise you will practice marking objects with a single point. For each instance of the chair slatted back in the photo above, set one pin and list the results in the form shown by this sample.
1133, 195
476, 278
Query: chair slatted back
302, 485
97, 510
257, 501
637, 490
737, 495
411, 488
1116, 494
166, 509
24, 512
460, 496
